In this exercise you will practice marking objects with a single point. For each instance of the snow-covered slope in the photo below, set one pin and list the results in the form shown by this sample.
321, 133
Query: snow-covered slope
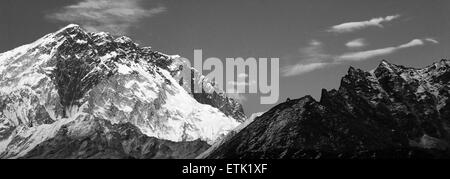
69, 77
229, 136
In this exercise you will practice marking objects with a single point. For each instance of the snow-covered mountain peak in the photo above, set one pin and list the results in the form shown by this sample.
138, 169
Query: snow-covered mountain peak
70, 26
72, 76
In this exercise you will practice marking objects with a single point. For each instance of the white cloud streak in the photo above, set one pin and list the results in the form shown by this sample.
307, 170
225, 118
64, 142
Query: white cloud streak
354, 26
243, 83
114, 16
242, 75
432, 40
300, 69
357, 43
364, 55
313, 58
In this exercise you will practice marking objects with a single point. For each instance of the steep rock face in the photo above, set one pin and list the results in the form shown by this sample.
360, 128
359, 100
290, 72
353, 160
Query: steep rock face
390, 112
72, 76
210, 93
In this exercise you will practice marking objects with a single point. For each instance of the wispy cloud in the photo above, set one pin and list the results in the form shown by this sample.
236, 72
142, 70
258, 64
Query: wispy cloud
300, 68
316, 58
354, 26
233, 91
314, 52
242, 75
243, 83
357, 43
364, 55
312, 57
114, 16
432, 40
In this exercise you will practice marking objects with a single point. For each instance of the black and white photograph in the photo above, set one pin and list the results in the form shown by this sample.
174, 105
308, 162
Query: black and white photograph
202, 81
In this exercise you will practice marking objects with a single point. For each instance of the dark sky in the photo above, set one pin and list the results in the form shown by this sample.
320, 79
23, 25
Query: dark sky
407, 32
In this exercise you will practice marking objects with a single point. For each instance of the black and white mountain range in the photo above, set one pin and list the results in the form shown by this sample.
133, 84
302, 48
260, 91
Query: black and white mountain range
78, 94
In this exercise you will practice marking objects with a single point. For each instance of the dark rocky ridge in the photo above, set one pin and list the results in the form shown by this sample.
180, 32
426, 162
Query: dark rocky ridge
391, 112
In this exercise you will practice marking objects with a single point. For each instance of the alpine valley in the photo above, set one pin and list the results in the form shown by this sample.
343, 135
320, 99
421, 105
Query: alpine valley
75, 94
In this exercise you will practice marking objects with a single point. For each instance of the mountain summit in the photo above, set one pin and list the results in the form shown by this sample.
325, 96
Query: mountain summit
77, 94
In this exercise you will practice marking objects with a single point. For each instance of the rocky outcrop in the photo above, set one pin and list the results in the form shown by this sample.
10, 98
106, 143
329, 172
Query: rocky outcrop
390, 112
